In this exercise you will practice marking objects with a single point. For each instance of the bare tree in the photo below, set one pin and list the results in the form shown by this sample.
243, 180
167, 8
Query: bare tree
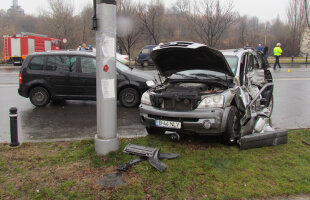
60, 22
151, 15
210, 19
306, 7
296, 18
87, 34
242, 30
130, 28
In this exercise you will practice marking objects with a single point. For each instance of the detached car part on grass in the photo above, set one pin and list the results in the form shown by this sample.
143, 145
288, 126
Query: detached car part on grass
210, 92
146, 153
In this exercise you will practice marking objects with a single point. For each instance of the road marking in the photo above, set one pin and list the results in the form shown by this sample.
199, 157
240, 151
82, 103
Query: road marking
292, 79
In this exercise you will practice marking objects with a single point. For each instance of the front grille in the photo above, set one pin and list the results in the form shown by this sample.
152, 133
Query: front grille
178, 104
174, 118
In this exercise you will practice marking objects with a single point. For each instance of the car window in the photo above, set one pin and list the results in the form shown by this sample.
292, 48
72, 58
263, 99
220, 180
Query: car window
88, 64
145, 51
36, 63
233, 62
61, 63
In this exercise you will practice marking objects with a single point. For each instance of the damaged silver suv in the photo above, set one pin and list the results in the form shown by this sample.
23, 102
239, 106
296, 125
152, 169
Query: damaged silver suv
210, 92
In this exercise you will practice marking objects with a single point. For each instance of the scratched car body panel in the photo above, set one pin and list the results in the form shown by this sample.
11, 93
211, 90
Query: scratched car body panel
209, 92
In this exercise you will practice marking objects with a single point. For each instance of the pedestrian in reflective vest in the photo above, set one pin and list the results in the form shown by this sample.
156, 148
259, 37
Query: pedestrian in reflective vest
277, 52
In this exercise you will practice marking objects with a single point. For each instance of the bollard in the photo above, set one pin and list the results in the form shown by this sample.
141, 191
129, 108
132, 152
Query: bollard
13, 127
292, 59
306, 59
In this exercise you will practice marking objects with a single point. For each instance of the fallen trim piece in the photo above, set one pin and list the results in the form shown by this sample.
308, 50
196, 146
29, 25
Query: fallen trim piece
146, 153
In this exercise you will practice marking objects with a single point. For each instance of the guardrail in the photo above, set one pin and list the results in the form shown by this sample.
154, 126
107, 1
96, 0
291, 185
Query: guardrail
289, 60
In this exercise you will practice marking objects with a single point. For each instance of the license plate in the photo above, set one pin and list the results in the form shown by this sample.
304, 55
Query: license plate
168, 124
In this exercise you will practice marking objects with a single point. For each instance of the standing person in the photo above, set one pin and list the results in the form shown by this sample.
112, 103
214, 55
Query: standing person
260, 48
277, 51
83, 47
265, 51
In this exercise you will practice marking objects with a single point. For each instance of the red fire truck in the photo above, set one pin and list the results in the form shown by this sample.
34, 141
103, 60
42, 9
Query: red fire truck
17, 47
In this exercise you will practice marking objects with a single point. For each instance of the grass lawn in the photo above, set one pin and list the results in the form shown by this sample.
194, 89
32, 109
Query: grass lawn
205, 170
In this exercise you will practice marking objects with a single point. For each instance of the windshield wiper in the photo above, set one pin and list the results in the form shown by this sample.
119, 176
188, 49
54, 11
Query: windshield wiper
186, 76
208, 75
213, 76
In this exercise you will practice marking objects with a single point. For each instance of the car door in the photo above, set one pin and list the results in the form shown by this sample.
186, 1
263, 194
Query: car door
57, 73
87, 77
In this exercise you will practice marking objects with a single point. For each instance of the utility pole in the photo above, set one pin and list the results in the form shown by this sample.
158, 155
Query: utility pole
106, 139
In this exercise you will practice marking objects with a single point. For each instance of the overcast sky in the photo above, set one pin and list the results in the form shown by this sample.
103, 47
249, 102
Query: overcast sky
265, 10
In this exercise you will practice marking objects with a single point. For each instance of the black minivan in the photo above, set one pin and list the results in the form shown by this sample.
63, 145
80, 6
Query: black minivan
71, 75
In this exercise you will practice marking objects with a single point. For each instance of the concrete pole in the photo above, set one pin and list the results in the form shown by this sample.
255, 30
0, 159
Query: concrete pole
106, 139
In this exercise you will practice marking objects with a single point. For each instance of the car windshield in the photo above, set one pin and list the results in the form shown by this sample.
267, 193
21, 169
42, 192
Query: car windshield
121, 66
233, 62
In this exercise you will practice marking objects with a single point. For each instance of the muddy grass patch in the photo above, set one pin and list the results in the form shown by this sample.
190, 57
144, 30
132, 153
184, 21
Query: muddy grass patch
205, 170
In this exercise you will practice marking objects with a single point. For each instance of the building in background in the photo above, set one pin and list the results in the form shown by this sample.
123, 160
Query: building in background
16, 9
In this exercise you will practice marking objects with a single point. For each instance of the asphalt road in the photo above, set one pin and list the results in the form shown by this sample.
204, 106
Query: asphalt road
77, 119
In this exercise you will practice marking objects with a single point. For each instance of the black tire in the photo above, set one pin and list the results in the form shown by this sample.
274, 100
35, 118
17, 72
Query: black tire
153, 131
145, 63
233, 127
270, 106
39, 96
129, 97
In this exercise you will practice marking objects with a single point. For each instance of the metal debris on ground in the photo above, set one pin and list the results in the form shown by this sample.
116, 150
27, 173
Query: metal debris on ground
151, 154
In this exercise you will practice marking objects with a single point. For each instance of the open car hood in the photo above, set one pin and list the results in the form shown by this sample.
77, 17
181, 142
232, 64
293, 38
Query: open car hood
174, 57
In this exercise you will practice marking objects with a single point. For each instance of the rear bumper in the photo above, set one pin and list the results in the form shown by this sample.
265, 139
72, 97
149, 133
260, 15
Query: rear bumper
210, 121
22, 91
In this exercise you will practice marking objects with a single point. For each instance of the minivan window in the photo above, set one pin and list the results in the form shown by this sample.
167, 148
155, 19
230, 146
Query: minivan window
61, 63
36, 63
88, 64
146, 51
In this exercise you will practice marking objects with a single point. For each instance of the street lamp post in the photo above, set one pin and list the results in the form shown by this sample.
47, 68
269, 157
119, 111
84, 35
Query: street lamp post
106, 139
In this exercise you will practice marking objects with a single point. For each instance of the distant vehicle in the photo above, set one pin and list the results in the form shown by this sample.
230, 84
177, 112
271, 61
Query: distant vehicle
144, 58
17, 47
122, 58
71, 75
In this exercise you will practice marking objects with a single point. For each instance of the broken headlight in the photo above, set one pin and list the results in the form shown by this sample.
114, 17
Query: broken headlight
145, 99
150, 83
214, 101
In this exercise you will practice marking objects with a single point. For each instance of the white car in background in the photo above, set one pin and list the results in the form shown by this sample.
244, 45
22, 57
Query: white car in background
122, 58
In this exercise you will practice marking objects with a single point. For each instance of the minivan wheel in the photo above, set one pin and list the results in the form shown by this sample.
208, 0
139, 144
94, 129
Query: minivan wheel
129, 97
152, 131
39, 96
233, 127
145, 63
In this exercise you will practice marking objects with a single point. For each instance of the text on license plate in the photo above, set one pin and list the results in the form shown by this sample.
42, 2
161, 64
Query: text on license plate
168, 124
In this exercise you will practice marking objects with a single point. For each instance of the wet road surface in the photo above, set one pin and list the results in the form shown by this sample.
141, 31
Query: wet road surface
77, 119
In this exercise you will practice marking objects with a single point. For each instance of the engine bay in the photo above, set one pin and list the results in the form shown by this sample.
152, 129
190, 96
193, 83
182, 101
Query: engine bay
182, 96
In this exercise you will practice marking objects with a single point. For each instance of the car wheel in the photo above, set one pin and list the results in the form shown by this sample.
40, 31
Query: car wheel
152, 131
145, 63
233, 127
39, 96
129, 97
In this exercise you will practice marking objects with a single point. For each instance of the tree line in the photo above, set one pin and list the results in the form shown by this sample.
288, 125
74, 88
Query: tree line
141, 23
